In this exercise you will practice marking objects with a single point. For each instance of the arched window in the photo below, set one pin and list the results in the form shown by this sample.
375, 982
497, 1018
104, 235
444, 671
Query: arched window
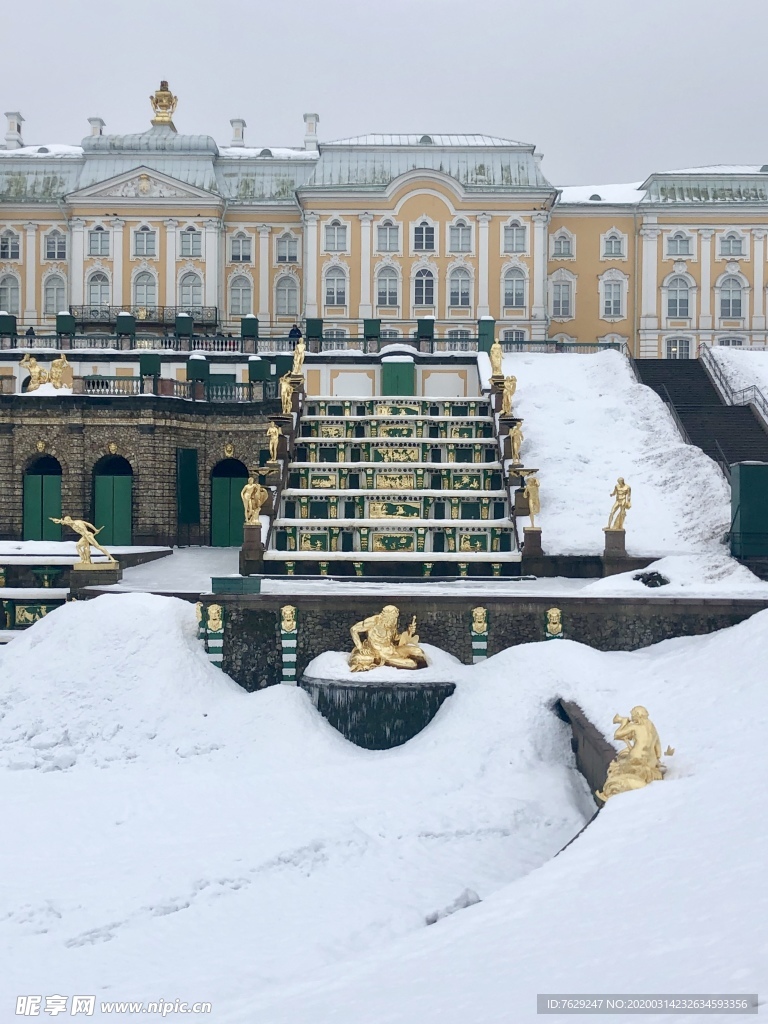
679, 244
287, 249
514, 237
54, 295
335, 332
389, 332
335, 237
424, 237
562, 245
731, 245
613, 244
386, 287
55, 246
191, 290
730, 298
241, 248
9, 294
335, 287
388, 237
424, 288
677, 298
287, 295
191, 242
514, 288
460, 237
513, 338
98, 290
9, 245
459, 287
145, 290
240, 296
459, 333
98, 242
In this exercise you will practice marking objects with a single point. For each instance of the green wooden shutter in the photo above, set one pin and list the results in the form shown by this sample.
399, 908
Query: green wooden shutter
398, 378
51, 504
33, 507
122, 494
236, 513
103, 500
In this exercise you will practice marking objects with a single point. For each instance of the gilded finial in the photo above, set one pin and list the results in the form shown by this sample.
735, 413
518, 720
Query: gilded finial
163, 106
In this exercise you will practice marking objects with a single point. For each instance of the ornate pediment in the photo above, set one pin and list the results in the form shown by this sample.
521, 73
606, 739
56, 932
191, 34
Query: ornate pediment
141, 183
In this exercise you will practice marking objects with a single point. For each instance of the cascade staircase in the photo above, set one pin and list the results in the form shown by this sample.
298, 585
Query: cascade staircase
394, 487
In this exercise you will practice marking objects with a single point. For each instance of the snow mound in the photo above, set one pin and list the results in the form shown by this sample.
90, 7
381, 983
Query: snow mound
715, 575
441, 667
743, 369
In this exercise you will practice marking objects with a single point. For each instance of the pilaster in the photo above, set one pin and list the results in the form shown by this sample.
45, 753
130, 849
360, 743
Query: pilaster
649, 320
170, 261
758, 263
30, 268
366, 307
77, 261
212, 229
705, 257
117, 261
483, 308
539, 311
264, 233
310, 265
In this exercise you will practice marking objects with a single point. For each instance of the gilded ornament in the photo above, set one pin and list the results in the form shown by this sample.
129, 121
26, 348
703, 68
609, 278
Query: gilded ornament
40, 446
87, 533
58, 368
298, 357
112, 448
479, 620
496, 354
531, 492
516, 438
253, 496
37, 375
286, 394
623, 494
640, 761
554, 629
378, 642
229, 450
288, 618
199, 612
508, 393
215, 620
274, 433
163, 105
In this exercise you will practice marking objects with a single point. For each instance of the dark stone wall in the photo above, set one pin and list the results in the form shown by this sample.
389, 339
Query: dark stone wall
592, 750
252, 654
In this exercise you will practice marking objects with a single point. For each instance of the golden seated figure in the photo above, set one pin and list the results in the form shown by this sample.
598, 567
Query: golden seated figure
383, 644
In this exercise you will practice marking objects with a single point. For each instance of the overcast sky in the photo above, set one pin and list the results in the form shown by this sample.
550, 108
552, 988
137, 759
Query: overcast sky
608, 90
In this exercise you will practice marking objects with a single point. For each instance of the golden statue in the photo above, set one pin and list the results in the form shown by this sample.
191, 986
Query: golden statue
298, 357
288, 618
286, 394
87, 534
274, 433
215, 620
253, 496
58, 368
163, 105
508, 393
554, 624
479, 620
516, 438
623, 494
37, 375
531, 492
496, 354
383, 644
640, 761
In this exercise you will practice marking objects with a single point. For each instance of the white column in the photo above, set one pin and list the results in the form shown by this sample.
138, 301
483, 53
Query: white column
758, 263
117, 261
649, 297
539, 311
77, 261
170, 261
30, 271
264, 303
483, 308
366, 307
310, 264
212, 227
705, 299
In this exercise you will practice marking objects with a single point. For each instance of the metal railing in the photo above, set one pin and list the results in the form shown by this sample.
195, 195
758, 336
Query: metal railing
667, 400
751, 395
722, 461
98, 314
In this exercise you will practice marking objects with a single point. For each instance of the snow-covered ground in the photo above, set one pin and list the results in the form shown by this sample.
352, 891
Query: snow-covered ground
743, 367
168, 835
587, 422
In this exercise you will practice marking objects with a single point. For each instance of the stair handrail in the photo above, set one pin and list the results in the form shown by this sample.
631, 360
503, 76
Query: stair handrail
751, 395
667, 400
723, 462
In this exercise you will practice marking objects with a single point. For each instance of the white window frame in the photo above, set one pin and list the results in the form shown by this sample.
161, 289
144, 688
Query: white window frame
519, 274
98, 231
743, 297
286, 239
105, 284
465, 290
389, 225
60, 241
562, 235
562, 277
281, 283
515, 224
185, 282
238, 240
56, 305
138, 282
609, 239
731, 341
12, 240
460, 236
391, 274
336, 273
12, 302
513, 336
145, 233
419, 274
191, 243
732, 233
678, 340
669, 236
337, 224
670, 286
234, 287
425, 222
607, 287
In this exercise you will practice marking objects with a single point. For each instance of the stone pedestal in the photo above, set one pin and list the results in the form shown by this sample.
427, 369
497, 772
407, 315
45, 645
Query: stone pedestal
497, 383
94, 574
505, 424
532, 541
521, 502
252, 551
615, 546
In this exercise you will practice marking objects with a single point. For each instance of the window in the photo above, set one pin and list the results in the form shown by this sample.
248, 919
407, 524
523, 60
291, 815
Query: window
98, 242
191, 242
54, 296
98, 290
562, 246
334, 332
561, 298
287, 295
424, 237
287, 249
145, 290
459, 287
144, 242
612, 298
731, 245
424, 288
730, 298
678, 244
335, 287
389, 333
731, 342
677, 298
386, 287
514, 237
388, 237
513, 337
514, 288
9, 294
335, 237
191, 291
459, 333
240, 296
678, 348
9, 246
460, 237
613, 244
55, 246
241, 248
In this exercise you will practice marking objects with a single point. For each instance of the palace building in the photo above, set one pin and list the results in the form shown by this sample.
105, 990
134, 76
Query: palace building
395, 228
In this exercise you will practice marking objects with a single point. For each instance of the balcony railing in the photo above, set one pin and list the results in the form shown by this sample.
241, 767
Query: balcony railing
206, 316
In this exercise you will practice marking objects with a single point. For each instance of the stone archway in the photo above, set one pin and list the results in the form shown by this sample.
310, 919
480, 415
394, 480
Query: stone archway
42, 499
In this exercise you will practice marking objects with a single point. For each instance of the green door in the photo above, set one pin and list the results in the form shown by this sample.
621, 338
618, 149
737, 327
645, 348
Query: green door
398, 378
112, 508
227, 511
42, 499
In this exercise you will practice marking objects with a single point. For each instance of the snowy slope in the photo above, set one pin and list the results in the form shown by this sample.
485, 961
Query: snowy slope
586, 422
743, 368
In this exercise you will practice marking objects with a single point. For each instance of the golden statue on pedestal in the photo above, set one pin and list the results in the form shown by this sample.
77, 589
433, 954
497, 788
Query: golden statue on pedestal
286, 394
531, 492
163, 106
383, 644
59, 366
640, 762
298, 357
508, 393
496, 355
87, 534
623, 494
254, 496
516, 438
37, 375
274, 433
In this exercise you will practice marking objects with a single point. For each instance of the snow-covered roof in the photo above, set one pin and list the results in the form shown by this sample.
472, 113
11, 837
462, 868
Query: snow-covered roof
267, 152
47, 149
596, 195
482, 141
721, 169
